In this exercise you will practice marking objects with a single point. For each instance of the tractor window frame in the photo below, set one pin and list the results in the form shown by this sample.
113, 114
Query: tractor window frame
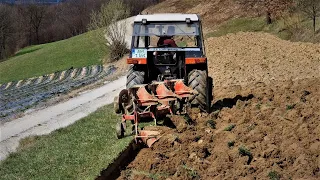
182, 27
142, 40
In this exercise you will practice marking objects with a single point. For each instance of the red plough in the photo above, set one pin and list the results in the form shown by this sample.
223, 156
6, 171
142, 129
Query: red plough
155, 100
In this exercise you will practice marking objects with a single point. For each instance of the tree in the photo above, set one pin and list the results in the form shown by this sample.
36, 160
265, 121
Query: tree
311, 8
34, 15
271, 8
110, 27
6, 30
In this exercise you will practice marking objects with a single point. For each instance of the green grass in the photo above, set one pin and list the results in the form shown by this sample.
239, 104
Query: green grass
290, 107
274, 175
250, 25
293, 27
237, 25
211, 123
78, 51
153, 176
230, 127
79, 151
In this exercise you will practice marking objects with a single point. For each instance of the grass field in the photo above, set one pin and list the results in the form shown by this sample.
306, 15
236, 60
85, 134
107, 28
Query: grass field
249, 25
43, 59
283, 28
79, 151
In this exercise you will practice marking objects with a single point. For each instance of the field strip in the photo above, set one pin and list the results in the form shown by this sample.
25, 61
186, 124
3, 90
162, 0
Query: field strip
57, 116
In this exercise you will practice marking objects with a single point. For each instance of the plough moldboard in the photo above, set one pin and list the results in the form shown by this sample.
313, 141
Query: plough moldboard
151, 101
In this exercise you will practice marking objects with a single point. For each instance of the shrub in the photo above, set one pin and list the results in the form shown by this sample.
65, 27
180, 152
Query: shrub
110, 27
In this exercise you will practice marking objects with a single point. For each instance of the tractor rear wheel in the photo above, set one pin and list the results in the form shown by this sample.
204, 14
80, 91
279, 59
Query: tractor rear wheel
197, 80
134, 77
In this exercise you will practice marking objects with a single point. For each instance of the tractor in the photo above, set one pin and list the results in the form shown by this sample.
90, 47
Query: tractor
168, 72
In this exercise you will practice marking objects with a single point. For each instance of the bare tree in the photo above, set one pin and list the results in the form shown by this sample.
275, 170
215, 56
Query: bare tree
6, 30
271, 8
75, 15
34, 15
109, 24
34, 23
311, 8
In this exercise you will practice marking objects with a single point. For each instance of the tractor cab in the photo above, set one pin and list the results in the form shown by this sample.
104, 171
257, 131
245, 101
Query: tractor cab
167, 44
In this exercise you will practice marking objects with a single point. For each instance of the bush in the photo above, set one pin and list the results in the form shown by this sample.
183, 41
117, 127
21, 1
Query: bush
108, 28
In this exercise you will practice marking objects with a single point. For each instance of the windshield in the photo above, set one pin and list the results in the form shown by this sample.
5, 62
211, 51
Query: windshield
178, 34
166, 29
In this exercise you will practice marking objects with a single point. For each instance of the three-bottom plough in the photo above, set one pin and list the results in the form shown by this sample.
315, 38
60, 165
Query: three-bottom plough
155, 100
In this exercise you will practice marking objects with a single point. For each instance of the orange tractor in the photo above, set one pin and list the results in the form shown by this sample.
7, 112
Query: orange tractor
168, 72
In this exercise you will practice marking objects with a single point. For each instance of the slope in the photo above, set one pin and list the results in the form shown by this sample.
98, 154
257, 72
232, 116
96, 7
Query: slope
78, 51
213, 12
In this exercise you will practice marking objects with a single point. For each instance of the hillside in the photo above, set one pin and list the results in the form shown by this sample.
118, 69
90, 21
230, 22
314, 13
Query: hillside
78, 51
213, 12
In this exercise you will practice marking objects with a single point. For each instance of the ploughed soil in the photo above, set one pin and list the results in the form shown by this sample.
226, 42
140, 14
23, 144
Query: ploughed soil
265, 122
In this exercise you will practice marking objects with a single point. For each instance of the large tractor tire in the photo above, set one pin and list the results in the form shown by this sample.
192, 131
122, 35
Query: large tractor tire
198, 80
134, 77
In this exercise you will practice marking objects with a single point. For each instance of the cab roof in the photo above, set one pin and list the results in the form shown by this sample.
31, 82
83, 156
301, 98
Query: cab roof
166, 17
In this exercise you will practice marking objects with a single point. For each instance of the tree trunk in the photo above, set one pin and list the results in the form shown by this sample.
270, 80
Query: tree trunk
314, 24
37, 35
30, 36
268, 18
